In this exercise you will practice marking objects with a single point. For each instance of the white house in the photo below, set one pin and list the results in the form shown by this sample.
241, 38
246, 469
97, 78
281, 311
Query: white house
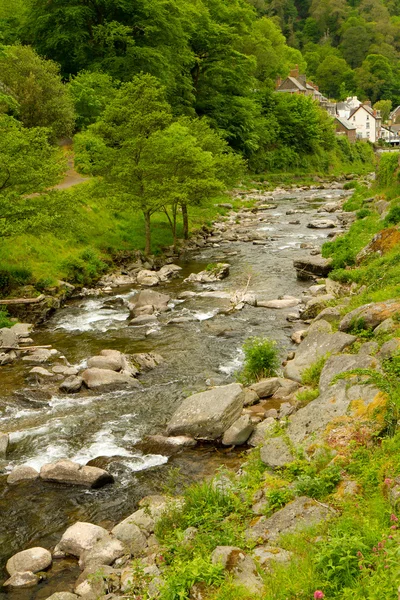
367, 122
390, 136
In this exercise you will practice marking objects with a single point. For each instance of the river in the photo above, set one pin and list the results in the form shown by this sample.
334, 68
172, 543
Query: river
107, 427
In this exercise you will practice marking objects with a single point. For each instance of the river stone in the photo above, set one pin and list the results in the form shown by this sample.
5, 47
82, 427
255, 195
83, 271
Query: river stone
276, 453
312, 266
35, 560
161, 444
220, 271
22, 330
101, 379
66, 471
319, 341
79, 538
250, 397
155, 505
4, 441
303, 512
41, 372
315, 306
158, 301
209, 414
104, 552
113, 361
168, 272
298, 336
130, 534
25, 579
146, 361
261, 431
266, 387
322, 224
147, 278
240, 566
143, 520
39, 356
62, 596
71, 385
370, 315
268, 555
96, 582
285, 302
22, 473
239, 432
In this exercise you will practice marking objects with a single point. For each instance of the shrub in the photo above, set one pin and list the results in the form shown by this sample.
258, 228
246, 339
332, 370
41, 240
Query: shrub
393, 216
4, 319
13, 277
311, 375
318, 485
261, 360
307, 396
362, 213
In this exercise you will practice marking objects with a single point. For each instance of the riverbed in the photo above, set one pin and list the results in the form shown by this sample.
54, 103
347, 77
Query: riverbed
106, 428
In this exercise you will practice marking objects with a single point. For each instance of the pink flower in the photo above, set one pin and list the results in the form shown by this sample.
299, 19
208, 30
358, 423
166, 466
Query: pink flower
359, 554
390, 537
386, 566
393, 527
318, 594
388, 481
393, 517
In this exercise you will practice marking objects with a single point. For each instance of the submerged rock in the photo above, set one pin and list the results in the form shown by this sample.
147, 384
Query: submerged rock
209, 414
22, 473
101, 379
66, 471
35, 560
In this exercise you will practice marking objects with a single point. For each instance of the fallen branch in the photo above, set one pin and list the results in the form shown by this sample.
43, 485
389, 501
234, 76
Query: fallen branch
23, 348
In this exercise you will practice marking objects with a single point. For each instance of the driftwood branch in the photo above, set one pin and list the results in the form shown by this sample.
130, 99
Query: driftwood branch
24, 348
23, 300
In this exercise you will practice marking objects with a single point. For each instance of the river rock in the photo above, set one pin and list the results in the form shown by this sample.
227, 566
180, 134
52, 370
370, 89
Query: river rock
104, 379
22, 330
298, 336
143, 320
131, 536
104, 552
370, 315
168, 272
147, 278
22, 473
319, 341
79, 538
261, 431
41, 373
209, 414
240, 566
311, 267
303, 512
284, 302
317, 290
71, 385
35, 560
321, 224
217, 273
97, 582
142, 519
250, 397
25, 579
275, 453
108, 359
330, 207
239, 432
161, 444
4, 441
62, 596
266, 387
66, 471
158, 301
146, 361
41, 355
316, 305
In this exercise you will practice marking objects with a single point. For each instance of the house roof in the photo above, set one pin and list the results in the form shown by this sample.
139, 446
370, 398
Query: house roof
395, 110
345, 123
366, 107
296, 83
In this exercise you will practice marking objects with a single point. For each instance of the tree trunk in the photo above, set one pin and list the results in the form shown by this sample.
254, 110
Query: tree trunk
185, 222
147, 216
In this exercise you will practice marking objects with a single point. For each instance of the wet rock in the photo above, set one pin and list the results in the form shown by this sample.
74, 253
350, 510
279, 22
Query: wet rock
22, 580
104, 552
4, 441
142, 320
240, 566
389, 349
22, 473
161, 444
35, 560
158, 301
131, 536
66, 471
33, 396
276, 453
146, 361
209, 414
298, 336
267, 556
266, 387
239, 432
79, 538
102, 379
319, 341
250, 397
322, 224
261, 431
62, 596
39, 356
370, 315
217, 273
108, 359
71, 385
315, 306
97, 582
41, 373
284, 302
168, 272
303, 512
311, 267
147, 278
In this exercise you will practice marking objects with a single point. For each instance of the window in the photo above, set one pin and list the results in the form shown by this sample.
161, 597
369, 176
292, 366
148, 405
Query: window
367, 125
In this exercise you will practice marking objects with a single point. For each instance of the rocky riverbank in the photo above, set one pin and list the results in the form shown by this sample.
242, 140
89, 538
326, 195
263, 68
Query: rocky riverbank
293, 421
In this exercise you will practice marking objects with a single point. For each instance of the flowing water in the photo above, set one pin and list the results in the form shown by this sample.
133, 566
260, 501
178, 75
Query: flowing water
107, 426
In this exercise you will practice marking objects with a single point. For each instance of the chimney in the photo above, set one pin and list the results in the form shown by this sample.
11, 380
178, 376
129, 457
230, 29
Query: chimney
278, 83
367, 103
295, 72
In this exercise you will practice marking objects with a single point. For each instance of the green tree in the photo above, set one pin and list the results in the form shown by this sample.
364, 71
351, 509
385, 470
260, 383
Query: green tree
385, 106
36, 86
28, 164
375, 77
91, 93
355, 44
332, 73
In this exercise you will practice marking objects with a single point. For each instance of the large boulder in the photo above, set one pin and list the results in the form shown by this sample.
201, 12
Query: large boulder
147, 278
104, 379
262, 431
240, 567
35, 560
266, 387
214, 273
131, 536
275, 453
66, 471
239, 432
209, 414
370, 315
319, 342
22, 473
25, 579
168, 272
108, 359
104, 552
158, 301
79, 538
303, 512
383, 242
312, 267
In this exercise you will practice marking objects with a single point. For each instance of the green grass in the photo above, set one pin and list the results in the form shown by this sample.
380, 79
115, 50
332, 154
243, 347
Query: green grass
261, 360
311, 375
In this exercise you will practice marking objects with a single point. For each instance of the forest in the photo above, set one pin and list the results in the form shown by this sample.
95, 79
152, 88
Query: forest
169, 103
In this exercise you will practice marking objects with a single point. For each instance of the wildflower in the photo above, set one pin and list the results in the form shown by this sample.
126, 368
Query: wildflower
361, 567
390, 537
359, 554
393, 517
388, 481
374, 549
393, 527
318, 594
